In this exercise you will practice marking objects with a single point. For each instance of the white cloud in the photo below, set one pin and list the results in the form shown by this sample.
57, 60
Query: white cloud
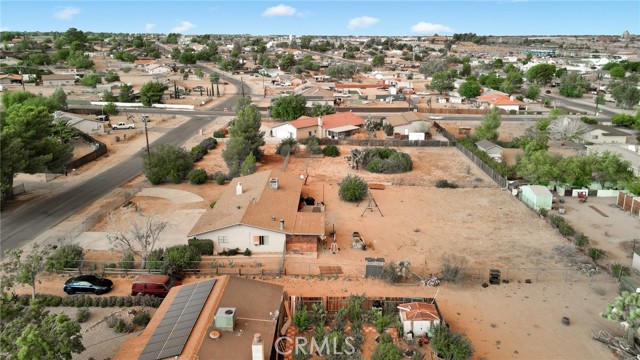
280, 10
428, 28
362, 22
149, 27
183, 26
67, 13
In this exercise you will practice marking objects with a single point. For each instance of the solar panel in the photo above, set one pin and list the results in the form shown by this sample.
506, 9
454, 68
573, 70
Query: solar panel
172, 332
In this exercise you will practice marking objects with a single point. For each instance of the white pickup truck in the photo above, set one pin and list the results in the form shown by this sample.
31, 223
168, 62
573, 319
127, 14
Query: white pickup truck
122, 125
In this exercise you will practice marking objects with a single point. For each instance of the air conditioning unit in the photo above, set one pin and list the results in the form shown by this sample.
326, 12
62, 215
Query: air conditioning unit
225, 318
273, 183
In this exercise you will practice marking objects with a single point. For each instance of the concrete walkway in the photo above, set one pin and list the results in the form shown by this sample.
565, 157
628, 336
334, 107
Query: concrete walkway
173, 195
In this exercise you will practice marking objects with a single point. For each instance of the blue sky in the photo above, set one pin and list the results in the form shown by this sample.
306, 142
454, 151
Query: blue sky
376, 18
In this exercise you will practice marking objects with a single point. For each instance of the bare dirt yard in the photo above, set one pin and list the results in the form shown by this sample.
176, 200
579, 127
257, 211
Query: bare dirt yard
414, 221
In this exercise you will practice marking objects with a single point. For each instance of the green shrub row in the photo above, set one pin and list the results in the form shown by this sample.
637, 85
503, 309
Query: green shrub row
82, 301
204, 246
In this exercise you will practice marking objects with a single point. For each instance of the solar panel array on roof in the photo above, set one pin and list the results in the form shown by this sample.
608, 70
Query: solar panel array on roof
173, 331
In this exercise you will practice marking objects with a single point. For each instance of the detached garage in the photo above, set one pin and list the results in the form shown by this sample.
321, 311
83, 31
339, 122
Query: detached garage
536, 197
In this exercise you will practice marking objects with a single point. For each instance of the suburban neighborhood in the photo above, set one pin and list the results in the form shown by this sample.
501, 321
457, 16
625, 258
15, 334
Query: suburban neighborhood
430, 193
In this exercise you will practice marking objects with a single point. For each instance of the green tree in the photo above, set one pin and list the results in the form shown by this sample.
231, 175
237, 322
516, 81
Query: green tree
625, 91
491, 80
622, 119
431, 68
541, 74
577, 171
573, 85
199, 73
108, 96
353, 188
287, 108
533, 91
625, 309
245, 137
126, 93
185, 256
617, 72
91, 80
23, 268
466, 70
112, 76
488, 128
539, 167
27, 142
167, 162
610, 168
470, 88
377, 60
287, 61
58, 100
152, 92
110, 109
318, 109
248, 165
342, 71
441, 82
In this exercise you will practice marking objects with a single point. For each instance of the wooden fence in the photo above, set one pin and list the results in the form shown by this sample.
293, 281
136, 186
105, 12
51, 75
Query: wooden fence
630, 203
99, 151
396, 142
334, 303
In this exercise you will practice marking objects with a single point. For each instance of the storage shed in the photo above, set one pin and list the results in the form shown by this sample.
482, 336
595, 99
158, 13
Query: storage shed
536, 197
419, 317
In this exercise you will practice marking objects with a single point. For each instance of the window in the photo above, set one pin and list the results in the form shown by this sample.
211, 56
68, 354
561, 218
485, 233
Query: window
309, 133
263, 240
223, 239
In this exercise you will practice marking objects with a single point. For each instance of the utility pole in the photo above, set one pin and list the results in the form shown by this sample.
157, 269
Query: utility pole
242, 87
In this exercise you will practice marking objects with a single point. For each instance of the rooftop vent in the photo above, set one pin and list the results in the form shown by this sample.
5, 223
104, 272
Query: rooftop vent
273, 183
225, 318
239, 189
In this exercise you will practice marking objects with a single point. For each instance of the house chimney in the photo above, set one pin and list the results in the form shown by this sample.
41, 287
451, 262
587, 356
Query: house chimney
320, 121
257, 347
239, 188
281, 224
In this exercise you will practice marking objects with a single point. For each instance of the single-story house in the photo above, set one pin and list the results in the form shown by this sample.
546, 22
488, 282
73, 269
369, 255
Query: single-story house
338, 125
271, 72
408, 120
536, 197
603, 134
10, 79
419, 317
493, 150
227, 317
58, 79
141, 63
261, 212
503, 102
157, 69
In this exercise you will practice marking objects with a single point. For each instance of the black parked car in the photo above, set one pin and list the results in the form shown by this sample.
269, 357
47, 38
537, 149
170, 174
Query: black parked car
88, 284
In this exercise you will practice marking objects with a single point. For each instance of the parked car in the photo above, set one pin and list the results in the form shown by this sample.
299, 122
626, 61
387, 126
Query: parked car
158, 285
88, 284
102, 118
198, 88
436, 117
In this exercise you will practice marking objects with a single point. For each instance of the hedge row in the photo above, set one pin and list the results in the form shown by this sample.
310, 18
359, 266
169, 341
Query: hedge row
89, 301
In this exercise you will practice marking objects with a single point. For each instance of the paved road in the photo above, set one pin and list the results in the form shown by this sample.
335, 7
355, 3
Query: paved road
25, 222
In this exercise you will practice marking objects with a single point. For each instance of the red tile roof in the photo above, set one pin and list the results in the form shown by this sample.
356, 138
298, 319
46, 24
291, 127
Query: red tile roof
329, 121
498, 99
419, 311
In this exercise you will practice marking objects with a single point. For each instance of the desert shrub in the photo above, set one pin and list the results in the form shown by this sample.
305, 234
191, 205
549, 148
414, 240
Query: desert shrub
588, 120
308, 139
220, 134
65, 256
186, 256
230, 252
302, 320
566, 230
387, 349
246, 252
618, 270
142, 318
127, 260
198, 152
167, 162
388, 129
155, 259
287, 146
331, 151
445, 184
209, 143
385, 160
313, 147
120, 326
319, 314
204, 246
111, 321
595, 253
197, 176
82, 315
355, 307
452, 268
353, 188
544, 212
220, 177
213, 204
450, 345
581, 240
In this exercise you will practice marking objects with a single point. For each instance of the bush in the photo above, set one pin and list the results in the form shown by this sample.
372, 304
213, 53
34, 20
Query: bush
449, 344
287, 146
302, 320
384, 160
220, 134
595, 253
230, 252
197, 176
120, 326
186, 256
209, 143
313, 147
390, 273
618, 270
204, 246
331, 151
388, 129
588, 120
198, 152
66, 256
127, 261
173, 270
444, 184
213, 204
353, 188
155, 259
581, 240
167, 162
82, 315
142, 318
246, 252
111, 321
452, 268
220, 178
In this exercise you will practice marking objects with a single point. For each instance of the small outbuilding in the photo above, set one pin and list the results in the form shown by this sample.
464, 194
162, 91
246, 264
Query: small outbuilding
493, 150
536, 197
419, 317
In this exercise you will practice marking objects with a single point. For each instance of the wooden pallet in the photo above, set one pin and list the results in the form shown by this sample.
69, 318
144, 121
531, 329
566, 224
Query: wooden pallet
330, 270
376, 186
